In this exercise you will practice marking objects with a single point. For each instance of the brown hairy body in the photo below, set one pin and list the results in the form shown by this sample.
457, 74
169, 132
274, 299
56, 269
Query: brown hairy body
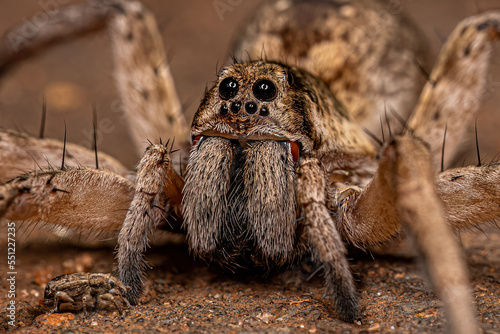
279, 166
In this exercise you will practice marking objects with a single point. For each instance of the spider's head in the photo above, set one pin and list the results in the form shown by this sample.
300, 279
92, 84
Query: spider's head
258, 101
249, 135
253, 129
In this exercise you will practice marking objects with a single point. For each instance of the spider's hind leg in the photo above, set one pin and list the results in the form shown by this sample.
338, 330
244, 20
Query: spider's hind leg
80, 198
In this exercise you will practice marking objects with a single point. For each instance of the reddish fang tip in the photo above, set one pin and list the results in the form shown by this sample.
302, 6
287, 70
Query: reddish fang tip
195, 140
294, 148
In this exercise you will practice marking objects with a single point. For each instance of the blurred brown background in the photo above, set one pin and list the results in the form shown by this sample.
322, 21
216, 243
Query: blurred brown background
77, 74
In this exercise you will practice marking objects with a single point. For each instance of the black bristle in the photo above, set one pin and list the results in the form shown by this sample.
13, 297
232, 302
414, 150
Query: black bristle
49, 181
54, 189
382, 129
400, 119
442, 149
64, 148
387, 121
217, 70
248, 55
94, 122
172, 146
160, 208
234, 59
44, 115
369, 133
426, 74
477, 146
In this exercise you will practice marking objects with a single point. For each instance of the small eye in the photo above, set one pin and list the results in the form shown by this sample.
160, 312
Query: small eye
112, 284
264, 90
236, 106
224, 109
251, 107
264, 111
228, 88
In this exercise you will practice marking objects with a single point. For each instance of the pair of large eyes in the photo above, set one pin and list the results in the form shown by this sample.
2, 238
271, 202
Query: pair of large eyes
264, 90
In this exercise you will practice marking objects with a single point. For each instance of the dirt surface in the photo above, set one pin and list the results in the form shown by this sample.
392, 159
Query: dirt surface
187, 296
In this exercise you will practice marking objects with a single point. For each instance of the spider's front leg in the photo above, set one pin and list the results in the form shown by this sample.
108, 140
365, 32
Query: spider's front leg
157, 195
403, 194
325, 239
422, 213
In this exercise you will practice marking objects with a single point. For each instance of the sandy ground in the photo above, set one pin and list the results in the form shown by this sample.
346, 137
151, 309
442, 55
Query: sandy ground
187, 296
183, 295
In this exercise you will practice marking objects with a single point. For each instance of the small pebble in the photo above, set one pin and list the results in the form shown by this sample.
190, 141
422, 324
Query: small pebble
55, 319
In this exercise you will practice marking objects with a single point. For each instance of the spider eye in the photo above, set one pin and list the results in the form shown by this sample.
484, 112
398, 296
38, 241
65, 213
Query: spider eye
112, 284
264, 90
228, 88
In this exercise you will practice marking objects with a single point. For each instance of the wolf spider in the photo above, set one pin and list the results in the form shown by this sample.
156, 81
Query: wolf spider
278, 166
